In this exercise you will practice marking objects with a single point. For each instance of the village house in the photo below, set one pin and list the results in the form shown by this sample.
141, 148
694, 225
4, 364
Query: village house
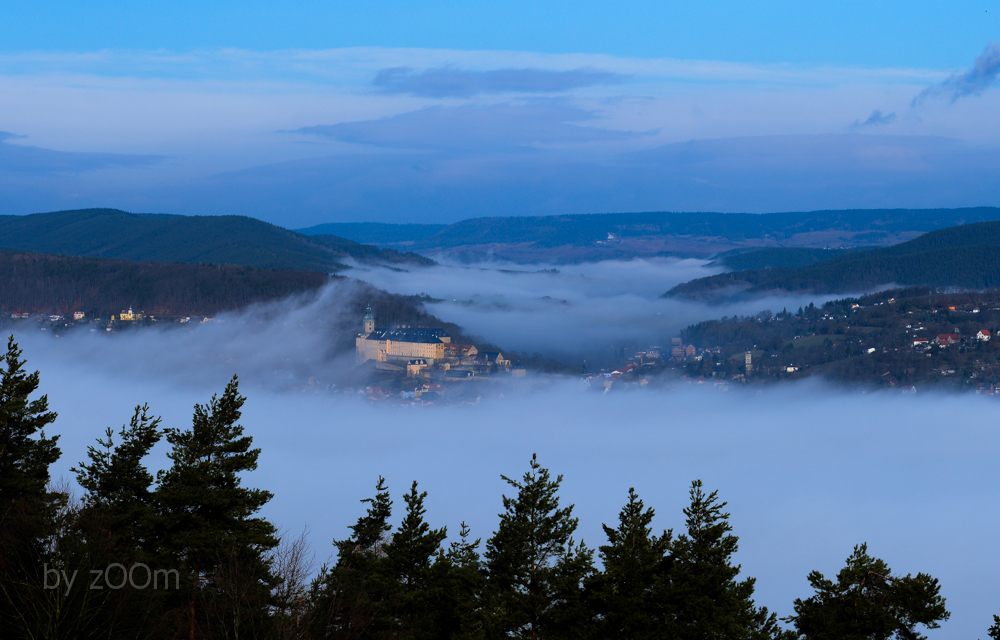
460, 353
493, 359
983, 335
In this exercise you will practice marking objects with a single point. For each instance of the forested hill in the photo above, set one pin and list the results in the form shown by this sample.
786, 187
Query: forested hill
862, 226
739, 260
964, 256
378, 233
40, 283
236, 240
101, 288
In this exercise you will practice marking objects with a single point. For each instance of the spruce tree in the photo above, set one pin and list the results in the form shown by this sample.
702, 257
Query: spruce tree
351, 599
118, 484
706, 599
866, 602
629, 596
466, 582
28, 509
420, 609
414, 556
110, 526
371, 529
25, 452
207, 519
535, 571
994, 631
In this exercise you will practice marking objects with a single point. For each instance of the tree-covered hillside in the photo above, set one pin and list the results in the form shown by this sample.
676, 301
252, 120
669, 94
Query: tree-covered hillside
378, 233
965, 256
237, 240
35, 282
771, 257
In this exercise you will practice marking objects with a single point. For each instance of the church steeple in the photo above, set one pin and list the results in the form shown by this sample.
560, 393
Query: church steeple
369, 320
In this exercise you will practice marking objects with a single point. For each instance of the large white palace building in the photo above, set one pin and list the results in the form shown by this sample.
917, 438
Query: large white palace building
401, 344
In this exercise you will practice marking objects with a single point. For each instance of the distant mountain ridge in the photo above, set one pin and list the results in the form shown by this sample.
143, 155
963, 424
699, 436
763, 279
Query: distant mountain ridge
622, 235
966, 256
376, 233
237, 240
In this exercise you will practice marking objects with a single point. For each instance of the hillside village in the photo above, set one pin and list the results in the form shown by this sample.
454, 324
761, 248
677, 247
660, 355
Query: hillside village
128, 318
905, 339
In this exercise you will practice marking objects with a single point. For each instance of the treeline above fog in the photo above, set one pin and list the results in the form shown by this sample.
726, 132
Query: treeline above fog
772, 257
871, 227
966, 256
186, 554
35, 282
236, 240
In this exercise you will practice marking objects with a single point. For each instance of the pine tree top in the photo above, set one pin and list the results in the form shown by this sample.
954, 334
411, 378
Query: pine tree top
25, 451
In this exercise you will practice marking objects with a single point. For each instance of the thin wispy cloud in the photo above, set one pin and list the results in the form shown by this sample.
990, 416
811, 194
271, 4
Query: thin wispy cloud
216, 114
17, 158
876, 119
973, 82
444, 82
757, 174
475, 127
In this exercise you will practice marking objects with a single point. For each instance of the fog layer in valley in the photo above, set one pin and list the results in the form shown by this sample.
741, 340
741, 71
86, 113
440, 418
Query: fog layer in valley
809, 471
288, 344
569, 312
576, 311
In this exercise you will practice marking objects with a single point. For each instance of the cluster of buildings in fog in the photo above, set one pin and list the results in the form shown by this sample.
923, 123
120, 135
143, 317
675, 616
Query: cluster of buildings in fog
426, 352
114, 322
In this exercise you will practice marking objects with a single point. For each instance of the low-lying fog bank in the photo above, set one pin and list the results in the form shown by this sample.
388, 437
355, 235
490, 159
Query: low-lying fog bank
573, 313
292, 343
808, 471
570, 311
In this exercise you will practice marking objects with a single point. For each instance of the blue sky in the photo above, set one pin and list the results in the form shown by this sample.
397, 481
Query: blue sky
406, 112
922, 34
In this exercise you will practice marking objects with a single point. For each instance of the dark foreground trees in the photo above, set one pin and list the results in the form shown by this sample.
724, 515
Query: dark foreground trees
185, 553
534, 570
867, 601
707, 599
630, 597
183, 556
28, 507
206, 520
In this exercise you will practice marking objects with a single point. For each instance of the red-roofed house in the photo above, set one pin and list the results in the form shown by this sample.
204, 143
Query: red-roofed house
944, 339
983, 335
